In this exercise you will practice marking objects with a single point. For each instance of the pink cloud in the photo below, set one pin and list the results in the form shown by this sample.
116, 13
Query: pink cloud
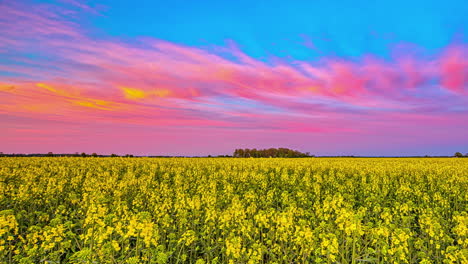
454, 69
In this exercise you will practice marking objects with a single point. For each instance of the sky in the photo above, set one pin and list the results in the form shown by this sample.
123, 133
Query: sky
373, 78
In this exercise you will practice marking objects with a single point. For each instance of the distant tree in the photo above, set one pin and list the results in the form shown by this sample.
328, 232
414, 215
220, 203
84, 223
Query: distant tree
273, 152
94, 155
254, 153
246, 153
240, 153
282, 152
269, 153
1, 154
50, 154
83, 155
458, 155
114, 155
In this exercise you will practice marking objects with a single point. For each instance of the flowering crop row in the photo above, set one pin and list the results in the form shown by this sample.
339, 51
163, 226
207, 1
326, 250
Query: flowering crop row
225, 210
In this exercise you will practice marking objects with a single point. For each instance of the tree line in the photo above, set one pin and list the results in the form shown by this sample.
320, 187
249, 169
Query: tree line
271, 152
51, 154
238, 153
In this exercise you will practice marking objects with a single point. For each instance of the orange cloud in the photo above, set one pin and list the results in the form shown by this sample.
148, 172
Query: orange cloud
137, 94
6, 87
78, 100
134, 94
47, 87
91, 105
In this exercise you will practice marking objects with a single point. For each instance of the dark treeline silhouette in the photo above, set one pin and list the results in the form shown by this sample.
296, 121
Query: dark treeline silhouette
238, 153
271, 152
51, 154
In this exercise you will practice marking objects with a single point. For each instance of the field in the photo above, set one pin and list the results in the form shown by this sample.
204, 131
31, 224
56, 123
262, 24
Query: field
227, 210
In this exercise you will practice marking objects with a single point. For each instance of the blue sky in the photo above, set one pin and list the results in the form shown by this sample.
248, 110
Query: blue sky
263, 28
207, 77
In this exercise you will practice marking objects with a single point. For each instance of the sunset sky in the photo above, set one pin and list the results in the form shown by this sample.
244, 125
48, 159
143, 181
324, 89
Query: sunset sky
206, 77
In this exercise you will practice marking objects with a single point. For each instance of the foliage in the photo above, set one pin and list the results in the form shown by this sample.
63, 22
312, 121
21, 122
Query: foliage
267, 153
222, 210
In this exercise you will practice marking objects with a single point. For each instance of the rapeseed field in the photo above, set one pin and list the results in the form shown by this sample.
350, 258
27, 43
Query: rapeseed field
228, 210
